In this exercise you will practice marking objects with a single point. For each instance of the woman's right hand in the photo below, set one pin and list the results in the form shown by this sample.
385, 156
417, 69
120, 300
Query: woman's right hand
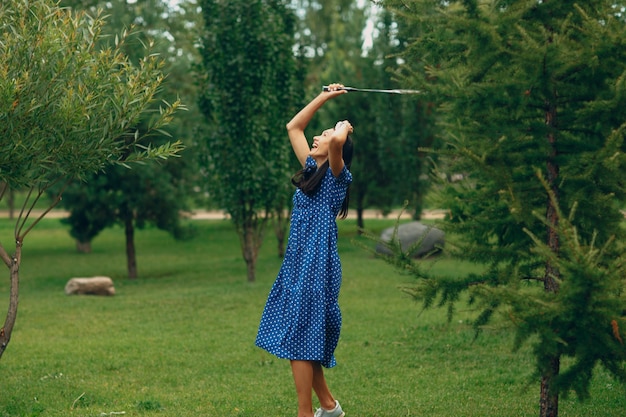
333, 90
296, 126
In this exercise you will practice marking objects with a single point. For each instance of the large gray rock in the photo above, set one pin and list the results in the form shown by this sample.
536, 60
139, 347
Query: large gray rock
90, 286
430, 239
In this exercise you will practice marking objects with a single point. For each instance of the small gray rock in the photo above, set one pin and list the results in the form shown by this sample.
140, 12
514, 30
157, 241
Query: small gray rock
90, 286
431, 239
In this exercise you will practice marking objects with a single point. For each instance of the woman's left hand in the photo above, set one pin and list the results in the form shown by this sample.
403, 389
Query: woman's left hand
344, 126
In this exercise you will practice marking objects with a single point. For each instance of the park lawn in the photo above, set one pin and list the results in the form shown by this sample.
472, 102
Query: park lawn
179, 341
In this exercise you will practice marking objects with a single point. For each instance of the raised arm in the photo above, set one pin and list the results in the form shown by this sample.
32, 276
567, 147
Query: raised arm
296, 126
335, 148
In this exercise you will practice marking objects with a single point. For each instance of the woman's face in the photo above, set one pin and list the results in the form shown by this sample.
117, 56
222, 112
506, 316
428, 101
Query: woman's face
320, 143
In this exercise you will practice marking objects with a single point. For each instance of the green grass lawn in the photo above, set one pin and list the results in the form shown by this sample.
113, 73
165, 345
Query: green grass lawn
179, 341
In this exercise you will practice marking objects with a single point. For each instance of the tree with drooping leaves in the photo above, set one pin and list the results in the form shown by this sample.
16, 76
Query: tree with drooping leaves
530, 101
67, 109
152, 194
247, 95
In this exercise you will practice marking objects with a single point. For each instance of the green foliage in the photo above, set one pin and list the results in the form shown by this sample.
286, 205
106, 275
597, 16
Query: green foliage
402, 125
530, 103
150, 193
584, 320
248, 92
92, 208
66, 108
387, 167
147, 194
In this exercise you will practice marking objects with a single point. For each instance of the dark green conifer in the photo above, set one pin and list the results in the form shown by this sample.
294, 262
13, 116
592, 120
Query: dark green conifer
531, 102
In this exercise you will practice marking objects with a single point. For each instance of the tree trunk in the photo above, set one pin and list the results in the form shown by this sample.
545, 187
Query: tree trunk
552, 273
251, 270
360, 208
549, 397
83, 247
14, 266
250, 249
418, 205
280, 230
360, 223
131, 256
11, 203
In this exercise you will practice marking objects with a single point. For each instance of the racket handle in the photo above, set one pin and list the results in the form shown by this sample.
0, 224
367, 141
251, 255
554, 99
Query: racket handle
327, 88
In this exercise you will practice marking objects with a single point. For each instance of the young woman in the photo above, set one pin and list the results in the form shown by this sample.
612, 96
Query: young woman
301, 320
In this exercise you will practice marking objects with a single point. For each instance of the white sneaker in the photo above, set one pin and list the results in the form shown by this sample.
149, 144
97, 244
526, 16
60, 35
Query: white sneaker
336, 412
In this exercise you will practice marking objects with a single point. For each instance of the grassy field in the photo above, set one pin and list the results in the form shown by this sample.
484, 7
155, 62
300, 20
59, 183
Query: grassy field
179, 341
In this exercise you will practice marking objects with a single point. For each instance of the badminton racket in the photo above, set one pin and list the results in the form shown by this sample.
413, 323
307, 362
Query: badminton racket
372, 90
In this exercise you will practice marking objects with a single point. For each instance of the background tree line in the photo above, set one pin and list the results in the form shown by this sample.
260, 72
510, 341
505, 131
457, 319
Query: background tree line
233, 168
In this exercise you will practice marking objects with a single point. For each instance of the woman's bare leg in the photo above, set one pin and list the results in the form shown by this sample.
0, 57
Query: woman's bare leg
303, 377
327, 400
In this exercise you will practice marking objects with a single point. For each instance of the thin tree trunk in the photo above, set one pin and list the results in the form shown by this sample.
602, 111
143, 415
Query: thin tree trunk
549, 398
250, 249
280, 230
14, 267
249, 252
552, 273
131, 256
13, 263
250, 229
360, 223
11, 203
418, 204
83, 247
251, 270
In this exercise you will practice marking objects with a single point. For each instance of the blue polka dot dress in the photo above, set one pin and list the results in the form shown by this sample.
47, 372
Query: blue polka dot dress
301, 319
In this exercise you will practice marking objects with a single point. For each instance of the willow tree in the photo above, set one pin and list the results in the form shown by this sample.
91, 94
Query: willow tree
247, 95
531, 103
67, 109
150, 194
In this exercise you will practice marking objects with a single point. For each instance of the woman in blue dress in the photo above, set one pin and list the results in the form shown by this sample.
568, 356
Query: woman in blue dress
301, 320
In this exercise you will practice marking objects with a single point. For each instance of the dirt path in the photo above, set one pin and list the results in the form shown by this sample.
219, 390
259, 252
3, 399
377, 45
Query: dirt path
368, 214
220, 215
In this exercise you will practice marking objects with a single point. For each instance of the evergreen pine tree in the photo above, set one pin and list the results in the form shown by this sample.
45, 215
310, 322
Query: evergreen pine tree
531, 104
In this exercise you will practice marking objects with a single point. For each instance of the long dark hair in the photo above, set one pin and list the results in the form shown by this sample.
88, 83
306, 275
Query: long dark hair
309, 179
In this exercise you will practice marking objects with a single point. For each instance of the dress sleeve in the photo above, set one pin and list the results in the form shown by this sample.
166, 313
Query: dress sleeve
310, 162
344, 178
